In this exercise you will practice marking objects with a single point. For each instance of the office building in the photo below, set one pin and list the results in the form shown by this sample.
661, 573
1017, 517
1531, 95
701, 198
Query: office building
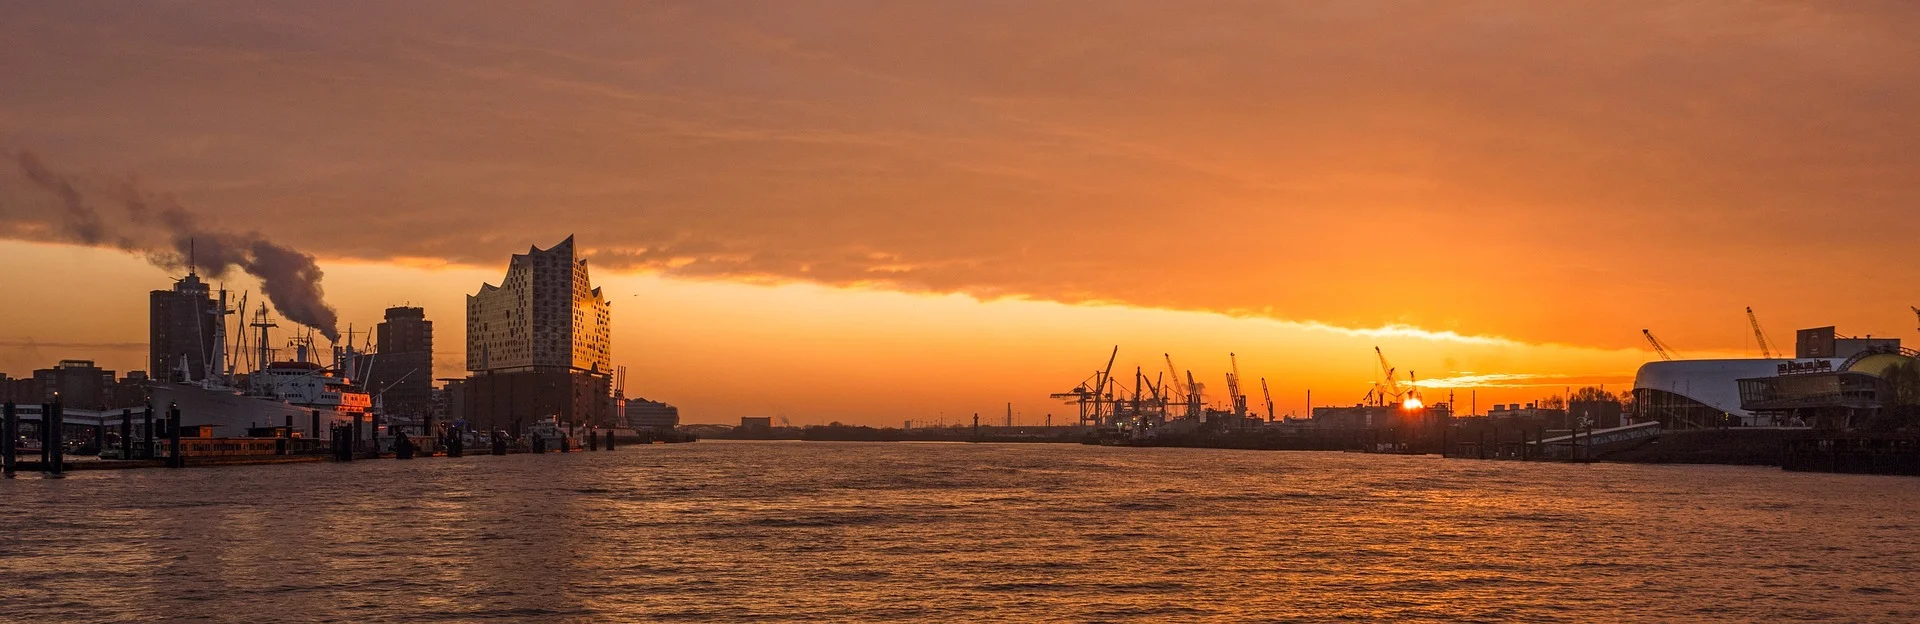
184, 326
400, 372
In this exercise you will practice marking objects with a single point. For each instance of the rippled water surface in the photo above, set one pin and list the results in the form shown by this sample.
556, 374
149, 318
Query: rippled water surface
786, 530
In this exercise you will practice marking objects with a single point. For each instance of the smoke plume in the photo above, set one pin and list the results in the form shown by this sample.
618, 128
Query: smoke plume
171, 236
81, 222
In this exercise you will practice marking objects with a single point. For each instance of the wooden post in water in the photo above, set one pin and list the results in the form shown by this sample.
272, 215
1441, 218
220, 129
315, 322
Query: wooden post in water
593, 439
57, 451
126, 434
10, 428
146, 437
609, 439
46, 444
174, 458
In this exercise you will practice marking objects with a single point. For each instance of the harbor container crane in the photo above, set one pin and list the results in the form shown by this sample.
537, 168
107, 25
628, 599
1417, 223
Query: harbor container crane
1766, 349
1661, 348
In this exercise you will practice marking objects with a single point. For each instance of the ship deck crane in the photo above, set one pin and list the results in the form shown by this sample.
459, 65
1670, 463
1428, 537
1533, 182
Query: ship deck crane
1766, 349
1661, 348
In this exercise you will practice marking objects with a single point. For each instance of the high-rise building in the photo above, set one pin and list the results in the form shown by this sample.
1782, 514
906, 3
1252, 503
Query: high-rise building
400, 373
183, 330
539, 345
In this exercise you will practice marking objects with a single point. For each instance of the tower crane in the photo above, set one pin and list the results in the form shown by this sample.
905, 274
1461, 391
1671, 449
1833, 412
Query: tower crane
1268, 395
1916, 310
1666, 352
1766, 349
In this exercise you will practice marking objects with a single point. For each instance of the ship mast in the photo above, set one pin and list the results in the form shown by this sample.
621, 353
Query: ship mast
261, 322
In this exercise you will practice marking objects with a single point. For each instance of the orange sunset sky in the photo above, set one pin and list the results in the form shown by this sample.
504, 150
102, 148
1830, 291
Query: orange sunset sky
879, 211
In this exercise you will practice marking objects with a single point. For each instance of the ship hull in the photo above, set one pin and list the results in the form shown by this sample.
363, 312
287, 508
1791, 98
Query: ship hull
231, 413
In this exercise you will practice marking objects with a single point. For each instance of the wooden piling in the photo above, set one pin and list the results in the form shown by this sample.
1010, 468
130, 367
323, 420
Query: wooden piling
146, 437
56, 434
609, 439
174, 458
126, 434
9, 427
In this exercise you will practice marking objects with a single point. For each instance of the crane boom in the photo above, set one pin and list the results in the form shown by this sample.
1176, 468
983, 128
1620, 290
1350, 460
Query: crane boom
1193, 397
1666, 353
1268, 395
1766, 350
1916, 310
1106, 379
1175, 370
1392, 385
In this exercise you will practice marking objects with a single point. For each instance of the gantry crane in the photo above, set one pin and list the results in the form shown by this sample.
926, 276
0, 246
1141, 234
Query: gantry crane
1766, 349
1666, 352
1097, 395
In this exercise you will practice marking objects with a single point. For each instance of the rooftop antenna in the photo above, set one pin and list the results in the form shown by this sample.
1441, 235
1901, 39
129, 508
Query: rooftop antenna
190, 258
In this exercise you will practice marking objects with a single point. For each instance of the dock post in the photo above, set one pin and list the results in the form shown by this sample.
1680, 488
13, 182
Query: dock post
100, 437
126, 434
354, 446
609, 439
593, 439
9, 427
316, 423
57, 451
174, 458
146, 436
46, 444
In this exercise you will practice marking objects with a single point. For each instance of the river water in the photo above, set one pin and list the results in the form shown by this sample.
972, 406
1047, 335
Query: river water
729, 531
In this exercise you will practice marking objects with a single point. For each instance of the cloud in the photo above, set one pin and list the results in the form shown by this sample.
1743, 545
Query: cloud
1563, 172
1522, 380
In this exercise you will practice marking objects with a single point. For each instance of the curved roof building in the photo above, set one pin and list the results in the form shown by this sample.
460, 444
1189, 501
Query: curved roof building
1825, 391
1701, 394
